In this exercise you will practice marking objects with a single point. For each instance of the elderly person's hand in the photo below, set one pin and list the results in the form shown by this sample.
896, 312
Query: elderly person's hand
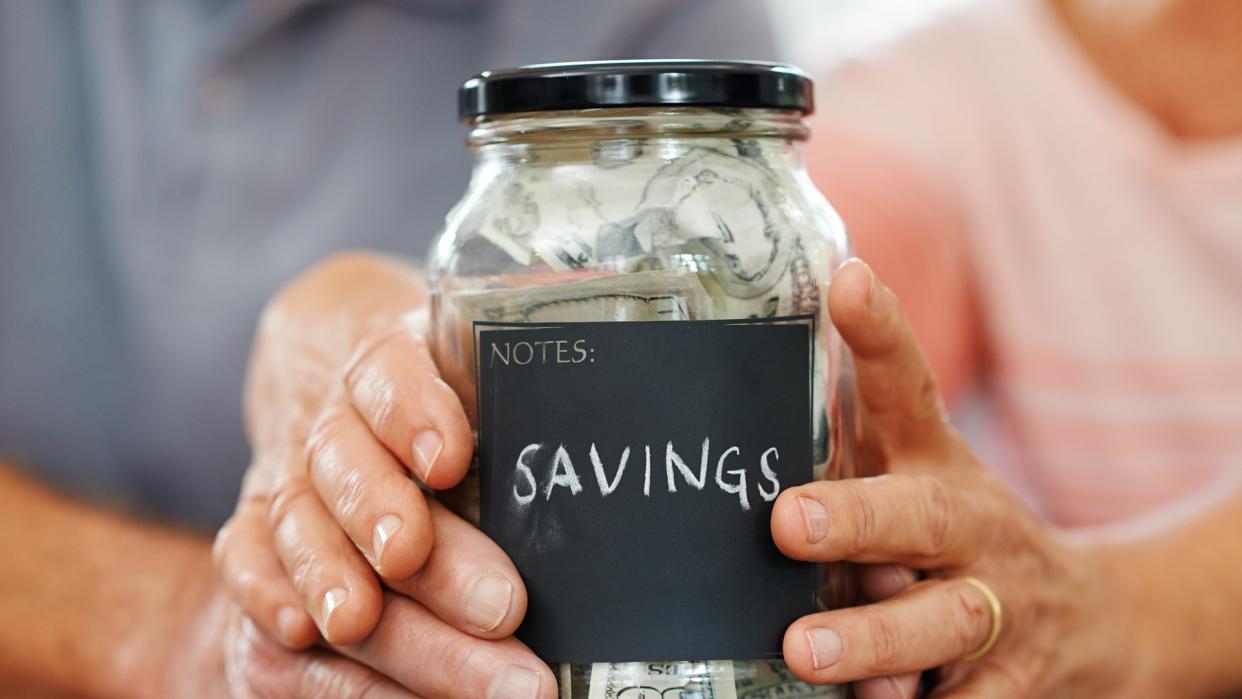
343, 403
220, 652
1065, 630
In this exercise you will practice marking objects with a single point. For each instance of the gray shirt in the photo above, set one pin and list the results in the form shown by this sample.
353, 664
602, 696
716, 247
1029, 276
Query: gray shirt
165, 166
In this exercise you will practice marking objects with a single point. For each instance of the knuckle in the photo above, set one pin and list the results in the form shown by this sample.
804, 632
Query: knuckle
939, 516
885, 640
291, 495
927, 397
321, 443
253, 669
322, 680
370, 386
970, 619
461, 660
272, 315
862, 506
349, 494
221, 546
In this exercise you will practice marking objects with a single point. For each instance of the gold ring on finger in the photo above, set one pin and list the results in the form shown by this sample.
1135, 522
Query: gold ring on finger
995, 605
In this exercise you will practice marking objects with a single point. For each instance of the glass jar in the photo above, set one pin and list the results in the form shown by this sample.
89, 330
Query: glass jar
644, 191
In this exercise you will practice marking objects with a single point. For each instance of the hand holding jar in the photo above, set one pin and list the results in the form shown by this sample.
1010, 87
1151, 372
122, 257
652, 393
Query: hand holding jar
1008, 607
329, 521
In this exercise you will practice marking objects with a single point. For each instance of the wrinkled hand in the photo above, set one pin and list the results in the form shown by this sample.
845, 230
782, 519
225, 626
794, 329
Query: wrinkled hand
343, 403
221, 652
938, 510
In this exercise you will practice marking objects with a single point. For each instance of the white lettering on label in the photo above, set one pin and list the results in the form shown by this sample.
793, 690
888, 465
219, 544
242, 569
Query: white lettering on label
769, 496
739, 488
672, 458
606, 486
528, 474
524, 353
647, 472
560, 472
563, 473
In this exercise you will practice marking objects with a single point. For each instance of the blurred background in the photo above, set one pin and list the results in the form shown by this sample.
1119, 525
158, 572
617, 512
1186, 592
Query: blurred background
844, 28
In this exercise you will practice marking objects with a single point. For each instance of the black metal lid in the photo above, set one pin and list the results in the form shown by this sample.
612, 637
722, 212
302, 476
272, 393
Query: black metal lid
596, 84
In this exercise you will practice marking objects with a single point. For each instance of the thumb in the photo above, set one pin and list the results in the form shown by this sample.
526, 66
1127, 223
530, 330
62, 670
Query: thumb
901, 403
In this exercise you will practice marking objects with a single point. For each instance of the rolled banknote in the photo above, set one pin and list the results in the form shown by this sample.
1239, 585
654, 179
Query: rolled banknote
658, 295
684, 680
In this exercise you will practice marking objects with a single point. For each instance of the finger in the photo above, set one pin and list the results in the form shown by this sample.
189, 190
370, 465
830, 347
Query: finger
455, 665
253, 577
256, 668
897, 388
917, 520
368, 493
879, 582
328, 675
334, 581
394, 385
984, 683
890, 687
930, 624
468, 580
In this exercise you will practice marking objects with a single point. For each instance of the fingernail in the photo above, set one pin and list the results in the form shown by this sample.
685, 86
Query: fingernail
826, 647
815, 517
515, 683
287, 621
332, 600
427, 446
385, 527
487, 601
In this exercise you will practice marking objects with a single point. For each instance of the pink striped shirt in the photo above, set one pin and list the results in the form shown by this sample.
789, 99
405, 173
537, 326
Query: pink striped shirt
1055, 246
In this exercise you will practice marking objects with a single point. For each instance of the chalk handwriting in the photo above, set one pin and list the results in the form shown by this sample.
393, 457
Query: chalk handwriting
559, 473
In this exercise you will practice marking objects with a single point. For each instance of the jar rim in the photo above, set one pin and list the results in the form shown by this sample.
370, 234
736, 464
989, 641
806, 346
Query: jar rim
636, 83
636, 122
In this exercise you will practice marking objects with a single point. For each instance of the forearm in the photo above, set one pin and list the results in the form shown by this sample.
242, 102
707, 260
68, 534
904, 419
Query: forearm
1183, 589
91, 603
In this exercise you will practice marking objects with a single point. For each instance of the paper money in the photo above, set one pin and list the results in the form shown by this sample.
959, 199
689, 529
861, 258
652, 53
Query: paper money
772, 679
728, 208
511, 221
718, 205
683, 680
658, 295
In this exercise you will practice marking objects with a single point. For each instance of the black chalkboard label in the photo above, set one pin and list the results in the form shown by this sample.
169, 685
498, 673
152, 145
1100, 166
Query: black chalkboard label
629, 470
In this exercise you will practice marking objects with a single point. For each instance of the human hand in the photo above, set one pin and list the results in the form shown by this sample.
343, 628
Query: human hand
937, 509
343, 402
221, 652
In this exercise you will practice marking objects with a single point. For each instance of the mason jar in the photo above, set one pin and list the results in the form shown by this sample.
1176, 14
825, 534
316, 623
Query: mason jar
630, 300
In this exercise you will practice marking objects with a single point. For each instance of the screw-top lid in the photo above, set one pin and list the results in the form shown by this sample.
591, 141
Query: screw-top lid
599, 84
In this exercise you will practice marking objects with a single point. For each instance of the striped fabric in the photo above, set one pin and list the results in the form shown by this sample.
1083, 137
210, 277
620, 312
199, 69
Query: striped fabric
1057, 250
